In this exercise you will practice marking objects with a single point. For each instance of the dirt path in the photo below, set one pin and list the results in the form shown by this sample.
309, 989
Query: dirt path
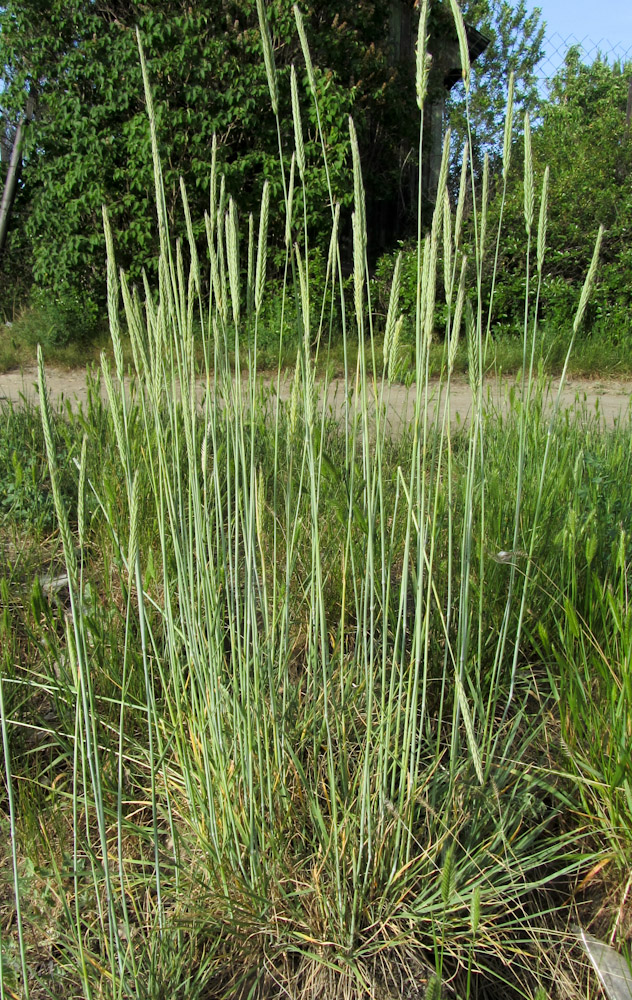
608, 398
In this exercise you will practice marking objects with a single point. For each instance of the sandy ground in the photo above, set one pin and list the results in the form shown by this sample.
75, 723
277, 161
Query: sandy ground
608, 399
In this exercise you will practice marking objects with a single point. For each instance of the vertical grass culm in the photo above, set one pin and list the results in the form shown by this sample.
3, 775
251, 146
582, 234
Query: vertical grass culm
307, 753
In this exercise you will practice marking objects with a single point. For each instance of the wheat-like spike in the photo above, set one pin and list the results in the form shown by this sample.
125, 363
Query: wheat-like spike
250, 267
393, 308
447, 247
433, 989
508, 127
213, 190
484, 203
195, 264
472, 347
268, 57
458, 313
133, 523
460, 205
463, 46
298, 128
589, 282
262, 248
81, 493
358, 185
422, 56
358, 268
528, 176
232, 255
60, 510
475, 909
290, 203
221, 260
112, 296
544, 203
305, 47
447, 876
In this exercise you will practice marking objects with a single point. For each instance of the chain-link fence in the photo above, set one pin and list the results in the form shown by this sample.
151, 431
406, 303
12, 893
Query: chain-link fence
556, 46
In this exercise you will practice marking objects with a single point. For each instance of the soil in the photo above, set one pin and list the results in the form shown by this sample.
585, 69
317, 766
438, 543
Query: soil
608, 400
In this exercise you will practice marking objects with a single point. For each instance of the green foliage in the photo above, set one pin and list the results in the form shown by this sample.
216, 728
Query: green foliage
89, 141
515, 45
584, 138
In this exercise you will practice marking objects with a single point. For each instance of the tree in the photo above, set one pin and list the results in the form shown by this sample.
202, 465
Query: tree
515, 44
89, 143
584, 136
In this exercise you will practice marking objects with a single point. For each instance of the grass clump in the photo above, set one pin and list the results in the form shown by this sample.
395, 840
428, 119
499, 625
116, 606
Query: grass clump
293, 711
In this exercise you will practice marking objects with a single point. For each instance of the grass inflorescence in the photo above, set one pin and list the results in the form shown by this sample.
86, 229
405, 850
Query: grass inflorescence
309, 713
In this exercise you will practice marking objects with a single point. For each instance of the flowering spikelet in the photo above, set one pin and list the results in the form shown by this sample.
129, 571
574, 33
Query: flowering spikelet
447, 247
544, 200
250, 291
463, 46
447, 876
81, 493
290, 202
305, 47
213, 186
528, 176
393, 306
133, 524
475, 909
298, 128
588, 283
508, 128
262, 248
268, 57
232, 254
423, 56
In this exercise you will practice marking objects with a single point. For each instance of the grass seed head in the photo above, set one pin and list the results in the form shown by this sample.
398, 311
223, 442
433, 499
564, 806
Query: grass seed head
423, 57
298, 128
528, 176
543, 219
268, 57
589, 282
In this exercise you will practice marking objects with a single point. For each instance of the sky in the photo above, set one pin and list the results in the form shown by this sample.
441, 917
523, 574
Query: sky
604, 24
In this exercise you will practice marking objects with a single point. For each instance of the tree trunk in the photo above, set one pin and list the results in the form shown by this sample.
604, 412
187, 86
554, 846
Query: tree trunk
13, 174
